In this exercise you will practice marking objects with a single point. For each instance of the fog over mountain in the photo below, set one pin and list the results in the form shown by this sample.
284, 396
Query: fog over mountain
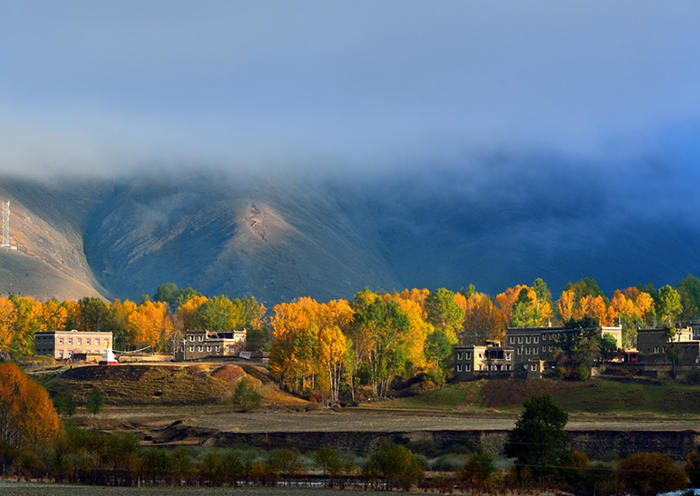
315, 148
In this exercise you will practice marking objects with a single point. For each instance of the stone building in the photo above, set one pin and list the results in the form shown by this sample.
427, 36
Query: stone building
487, 360
199, 344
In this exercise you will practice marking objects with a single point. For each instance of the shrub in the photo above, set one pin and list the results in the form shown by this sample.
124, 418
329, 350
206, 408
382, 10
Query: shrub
692, 468
283, 461
396, 464
245, 398
479, 468
649, 473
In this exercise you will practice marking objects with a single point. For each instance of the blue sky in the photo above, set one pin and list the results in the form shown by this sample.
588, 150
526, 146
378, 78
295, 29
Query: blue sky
106, 86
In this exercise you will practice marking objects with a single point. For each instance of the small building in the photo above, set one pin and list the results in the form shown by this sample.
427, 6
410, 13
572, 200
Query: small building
487, 360
695, 328
67, 344
198, 344
654, 341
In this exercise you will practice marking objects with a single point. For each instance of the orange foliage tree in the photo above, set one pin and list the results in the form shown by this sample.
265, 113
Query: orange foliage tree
27, 416
151, 324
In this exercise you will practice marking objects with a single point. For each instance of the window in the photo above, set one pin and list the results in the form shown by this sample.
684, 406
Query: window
80, 340
512, 340
70, 340
218, 349
97, 341
508, 355
87, 340
199, 348
520, 351
191, 348
533, 367
191, 337
208, 348
469, 355
520, 339
527, 340
481, 355
467, 367
459, 368
201, 338
535, 340
459, 356
60, 340
527, 350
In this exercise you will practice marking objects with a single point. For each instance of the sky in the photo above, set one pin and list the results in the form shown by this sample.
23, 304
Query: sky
106, 87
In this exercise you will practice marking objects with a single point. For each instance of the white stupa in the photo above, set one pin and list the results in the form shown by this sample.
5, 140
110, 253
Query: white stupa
108, 358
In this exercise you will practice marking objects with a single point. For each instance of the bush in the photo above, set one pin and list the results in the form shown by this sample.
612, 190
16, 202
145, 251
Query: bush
245, 397
479, 469
692, 468
396, 464
283, 461
649, 473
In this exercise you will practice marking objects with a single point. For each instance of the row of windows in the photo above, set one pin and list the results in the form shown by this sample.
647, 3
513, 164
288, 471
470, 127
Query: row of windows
200, 348
468, 355
87, 341
535, 339
199, 338
482, 367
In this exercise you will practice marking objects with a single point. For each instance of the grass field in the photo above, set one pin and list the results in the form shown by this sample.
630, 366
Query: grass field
594, 396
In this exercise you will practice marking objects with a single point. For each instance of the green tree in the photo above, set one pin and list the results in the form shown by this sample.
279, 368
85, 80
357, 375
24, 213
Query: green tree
167, 292
689, 291
65, 403
537, 441
283, 461
668, 306
525, 312
438, 350
215, 314
94, 314
584, 287
444, 313
245, 397
608, 347
581, 346
94, 401
385, 327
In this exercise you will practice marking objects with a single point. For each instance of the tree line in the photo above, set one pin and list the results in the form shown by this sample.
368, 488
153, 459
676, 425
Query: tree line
334, 348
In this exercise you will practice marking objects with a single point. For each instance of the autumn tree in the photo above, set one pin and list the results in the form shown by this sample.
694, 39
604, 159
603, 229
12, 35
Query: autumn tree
481, 320
27, 416
332, 351
54, 315
27, 321
152, 325
187, 311
668, 306
7, 322
584, 287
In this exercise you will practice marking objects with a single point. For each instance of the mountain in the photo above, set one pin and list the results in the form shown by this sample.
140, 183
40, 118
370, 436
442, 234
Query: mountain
281, 235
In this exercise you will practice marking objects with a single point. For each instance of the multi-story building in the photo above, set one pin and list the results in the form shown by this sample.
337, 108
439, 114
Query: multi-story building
487, 360
66, 344
654, 341
205, 344
539, 343
657, 349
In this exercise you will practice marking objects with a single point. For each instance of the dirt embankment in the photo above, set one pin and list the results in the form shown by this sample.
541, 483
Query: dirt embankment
161, 384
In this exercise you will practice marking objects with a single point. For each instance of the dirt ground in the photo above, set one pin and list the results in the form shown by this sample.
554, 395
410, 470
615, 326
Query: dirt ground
220, 418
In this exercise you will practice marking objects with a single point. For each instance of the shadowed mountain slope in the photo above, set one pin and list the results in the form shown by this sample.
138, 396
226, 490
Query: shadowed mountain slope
281, 236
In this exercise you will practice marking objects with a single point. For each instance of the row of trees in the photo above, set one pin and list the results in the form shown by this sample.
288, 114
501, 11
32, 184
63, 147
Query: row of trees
152, 322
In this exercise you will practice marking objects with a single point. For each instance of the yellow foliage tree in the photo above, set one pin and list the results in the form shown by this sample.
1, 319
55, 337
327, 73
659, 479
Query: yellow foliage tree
151, 324
332, 348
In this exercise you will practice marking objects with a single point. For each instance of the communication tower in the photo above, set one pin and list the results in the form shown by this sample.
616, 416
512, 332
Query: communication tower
6, 226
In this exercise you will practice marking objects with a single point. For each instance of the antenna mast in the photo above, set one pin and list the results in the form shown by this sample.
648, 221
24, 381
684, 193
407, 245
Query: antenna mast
6, 224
